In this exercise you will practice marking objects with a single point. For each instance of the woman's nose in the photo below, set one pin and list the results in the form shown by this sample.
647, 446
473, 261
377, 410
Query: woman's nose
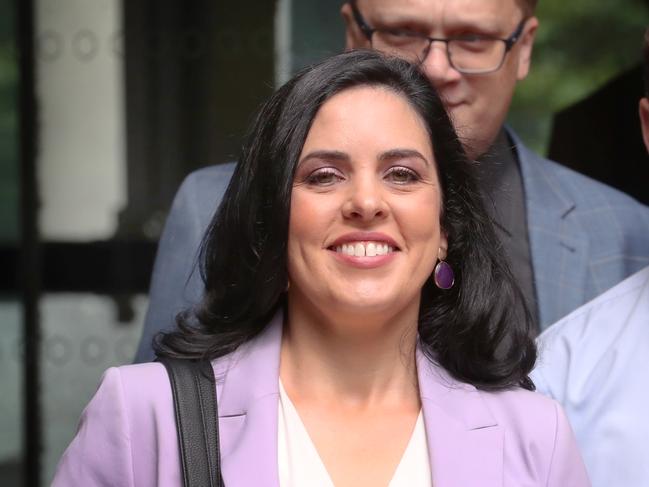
365, 201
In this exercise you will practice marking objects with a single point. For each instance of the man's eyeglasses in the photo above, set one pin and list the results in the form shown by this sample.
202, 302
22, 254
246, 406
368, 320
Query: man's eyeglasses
468, 54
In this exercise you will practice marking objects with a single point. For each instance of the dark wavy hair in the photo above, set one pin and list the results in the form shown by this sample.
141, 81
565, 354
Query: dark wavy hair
472, 330
645, 59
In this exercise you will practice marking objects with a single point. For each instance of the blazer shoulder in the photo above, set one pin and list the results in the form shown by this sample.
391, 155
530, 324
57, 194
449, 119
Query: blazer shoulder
202, 190
102, 453
515, 408
195, 202
551, 176
529, 419
537, 430
585, 190
147, 415
205, 177
144, 385
127, 434
143, 393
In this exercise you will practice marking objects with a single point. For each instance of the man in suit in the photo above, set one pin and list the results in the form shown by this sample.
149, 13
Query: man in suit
593, 363
567, 238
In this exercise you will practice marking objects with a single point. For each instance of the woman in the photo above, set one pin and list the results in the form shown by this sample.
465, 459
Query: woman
357, 312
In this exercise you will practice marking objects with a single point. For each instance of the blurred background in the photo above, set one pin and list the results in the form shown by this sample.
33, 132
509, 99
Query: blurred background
105, 105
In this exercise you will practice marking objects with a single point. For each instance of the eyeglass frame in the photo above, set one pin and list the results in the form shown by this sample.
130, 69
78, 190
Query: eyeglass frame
509, 41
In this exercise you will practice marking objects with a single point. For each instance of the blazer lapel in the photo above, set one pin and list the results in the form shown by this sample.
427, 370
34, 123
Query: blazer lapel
465, 443
248, 391
558, 247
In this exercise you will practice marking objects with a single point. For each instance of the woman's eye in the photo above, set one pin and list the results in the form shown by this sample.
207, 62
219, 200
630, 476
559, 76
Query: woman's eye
402, 175
323, 177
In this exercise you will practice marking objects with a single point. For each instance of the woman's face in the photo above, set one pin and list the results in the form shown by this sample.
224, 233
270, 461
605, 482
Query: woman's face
364, 232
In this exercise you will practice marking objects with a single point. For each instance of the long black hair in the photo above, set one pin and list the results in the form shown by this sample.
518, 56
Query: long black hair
472, 330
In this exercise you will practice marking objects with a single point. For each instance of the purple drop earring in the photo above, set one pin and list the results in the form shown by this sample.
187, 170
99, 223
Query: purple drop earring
443, 275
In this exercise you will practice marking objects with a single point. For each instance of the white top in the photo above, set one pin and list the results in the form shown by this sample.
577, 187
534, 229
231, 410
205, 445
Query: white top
300, 465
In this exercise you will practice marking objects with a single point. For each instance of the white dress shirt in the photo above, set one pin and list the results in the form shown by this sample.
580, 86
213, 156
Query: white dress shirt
595, 362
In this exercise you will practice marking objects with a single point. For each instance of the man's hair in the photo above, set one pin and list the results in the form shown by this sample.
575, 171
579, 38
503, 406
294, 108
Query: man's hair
527, 6
473, 330
645, 57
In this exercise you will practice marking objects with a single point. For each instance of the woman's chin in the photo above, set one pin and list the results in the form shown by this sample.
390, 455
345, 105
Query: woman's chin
356, 301
366, 305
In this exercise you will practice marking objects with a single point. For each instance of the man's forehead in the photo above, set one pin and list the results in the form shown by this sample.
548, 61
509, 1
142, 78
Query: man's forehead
446, 12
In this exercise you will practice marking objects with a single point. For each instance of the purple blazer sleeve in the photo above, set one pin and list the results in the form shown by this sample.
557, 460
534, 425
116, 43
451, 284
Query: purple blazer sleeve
100, 454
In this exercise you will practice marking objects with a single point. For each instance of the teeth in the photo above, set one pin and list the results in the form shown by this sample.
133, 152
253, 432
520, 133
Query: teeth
363, 249
381, 249
370, 250
359, 250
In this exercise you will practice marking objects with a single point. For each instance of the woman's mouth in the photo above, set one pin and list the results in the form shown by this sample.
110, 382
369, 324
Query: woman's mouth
364, 249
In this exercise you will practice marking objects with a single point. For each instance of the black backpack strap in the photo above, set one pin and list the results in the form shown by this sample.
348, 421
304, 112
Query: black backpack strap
197, 421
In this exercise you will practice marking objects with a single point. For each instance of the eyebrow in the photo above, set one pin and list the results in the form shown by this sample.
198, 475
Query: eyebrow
400, 20
402, 154
338, 156
409, 19
327, 155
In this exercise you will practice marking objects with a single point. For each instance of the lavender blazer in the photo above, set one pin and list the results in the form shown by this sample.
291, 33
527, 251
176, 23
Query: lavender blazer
127, 435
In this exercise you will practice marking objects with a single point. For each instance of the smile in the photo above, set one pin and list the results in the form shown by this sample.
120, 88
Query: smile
364, 249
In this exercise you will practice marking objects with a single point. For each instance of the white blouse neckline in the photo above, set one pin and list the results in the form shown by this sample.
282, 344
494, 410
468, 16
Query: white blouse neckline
299, 463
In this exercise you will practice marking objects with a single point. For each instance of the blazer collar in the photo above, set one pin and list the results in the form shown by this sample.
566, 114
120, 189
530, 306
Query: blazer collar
558, 246
464, 441
541, 187
248, 394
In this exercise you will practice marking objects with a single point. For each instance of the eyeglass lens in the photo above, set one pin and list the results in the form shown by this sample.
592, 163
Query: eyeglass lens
465, 55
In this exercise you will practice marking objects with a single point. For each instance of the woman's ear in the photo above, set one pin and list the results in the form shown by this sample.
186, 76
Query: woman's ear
443, 247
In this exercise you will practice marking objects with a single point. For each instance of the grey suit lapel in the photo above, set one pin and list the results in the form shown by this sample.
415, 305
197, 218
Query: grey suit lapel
559, 249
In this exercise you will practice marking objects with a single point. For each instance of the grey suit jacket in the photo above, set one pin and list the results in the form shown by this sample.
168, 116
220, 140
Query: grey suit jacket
585, 237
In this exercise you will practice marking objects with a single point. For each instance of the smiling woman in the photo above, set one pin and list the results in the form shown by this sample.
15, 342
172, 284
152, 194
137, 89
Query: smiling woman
343, 351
